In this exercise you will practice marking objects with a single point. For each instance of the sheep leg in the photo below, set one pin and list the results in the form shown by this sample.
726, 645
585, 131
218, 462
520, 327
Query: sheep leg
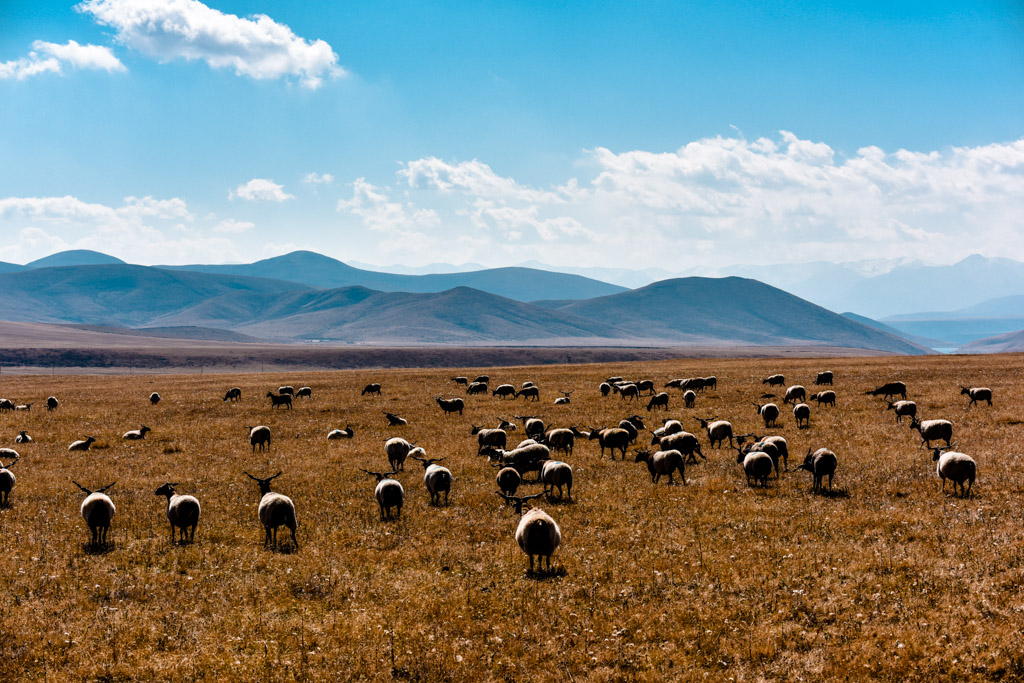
172, 533
294, 540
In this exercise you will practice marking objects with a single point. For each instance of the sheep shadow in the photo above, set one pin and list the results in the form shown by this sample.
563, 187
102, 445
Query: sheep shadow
545, 574
91, 548
286, 549
834, 493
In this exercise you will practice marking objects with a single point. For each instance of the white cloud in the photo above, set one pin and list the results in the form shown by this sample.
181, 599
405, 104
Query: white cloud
50, 57
257, 47
318, 178
232, 227
262, 189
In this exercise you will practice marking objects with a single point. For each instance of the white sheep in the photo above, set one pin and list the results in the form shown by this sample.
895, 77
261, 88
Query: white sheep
97, 511
336, 434
436, 478
275, 510
802, 414
903, 408
25, 406
613, 438
397, 449
820, 463
154, 398
259, 436
555, 473
957, 467
182, 512
23, 437
976, 394
663, 462
82, 445
933, 430
6, 405
395, 420
684, 442
137, 434
52, 403
7, 477
286, 389
304, 392
560, 439
509, 480
537, 534
769, 412
689, 398
757, 465
233, 394
795, 394
503, 390
718, 430
489, 438
388, 492
827, 398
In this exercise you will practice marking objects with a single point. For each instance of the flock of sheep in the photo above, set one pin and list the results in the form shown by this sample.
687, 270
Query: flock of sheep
537, 533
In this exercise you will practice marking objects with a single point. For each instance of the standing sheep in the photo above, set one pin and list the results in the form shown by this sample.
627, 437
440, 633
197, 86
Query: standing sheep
388, 493
538, 534
825, 377
769, 412
555, 473
757, 465
827, 398
397, 450
957, 467
259, 436
304, 392
604, 388
689, 398
614, 439
529, 393
933, 430
663, 462
52, 403
437, 479
7, 477
233, 394
97, 511
802, 414
275, 510
509, 480
659, 400
450, 405
684, 442
976, 394
464, 381
182, 512
371, 389
154, 398
718, 430
774, 381
903, 408
476, 388
795, 394
493, 438
820, 464
504, 390
889, 391
277, 400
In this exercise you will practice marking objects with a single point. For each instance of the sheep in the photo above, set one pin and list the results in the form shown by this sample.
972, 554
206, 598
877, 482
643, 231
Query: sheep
494, 438
564, 399
6, 405
97, 511
508, 481
757, 465
463, 381
556, 473
450, 405
233, 394
957, 467
636, 421
775, 446
395, 420
337, 434
182, 512
82, 445
137, 434
689, 398
504, 390
674, 383
684, 442
769, 412
527, 384
711, 382
659, 400
52, 403
976, 394
7, 477
795, 394
668, 427
526, 457
529, 393
486, 379
646, 385
476, 388
388, 492
663, 462
259, 436
25, 406
397, 450
275, 510
371, 389
506, 425
802, 414
820, 464
774, 381
613, 380
889, 391
718, 430
436, 478
286, 389
825, 377
23, 437
604, 388
304, 392
631, 428
629, 390
277, 400
827, 398
932, 430
154, 398
695, 383
533, 426
560, 440
537, 534
908, 408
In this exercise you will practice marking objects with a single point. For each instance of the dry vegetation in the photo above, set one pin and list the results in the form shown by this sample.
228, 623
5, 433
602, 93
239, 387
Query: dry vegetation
888, 578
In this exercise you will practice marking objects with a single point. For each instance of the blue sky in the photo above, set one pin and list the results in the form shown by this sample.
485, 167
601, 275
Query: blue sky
633, 134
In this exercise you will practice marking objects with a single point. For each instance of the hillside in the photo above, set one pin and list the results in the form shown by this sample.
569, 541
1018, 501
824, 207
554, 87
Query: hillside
75, 257
1011, 342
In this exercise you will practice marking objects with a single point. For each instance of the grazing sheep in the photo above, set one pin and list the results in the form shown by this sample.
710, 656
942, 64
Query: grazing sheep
957, 467
395, 420
538, 534
533, 426
718, 430
795, 394
560, 440
277, 400
604, 388
336, 434
275, 510
259, 436
976, 394
889, 391
757, 465
613, 380
529, 393
286, 389
476, 388
631, 428
827, 398
233, 394
769, 412
7, 477
82, 445
486, 379
933, 430
564, 399
689, 398
825, 377
659, 400
663, 462
52, 403
668, 427
646, 385
397, 450
674, 383
464, 381
508, 481
802, 413
25, 406
555, 473
437, 479
388, 492
304, 392
450, 405
182, 512
684, 442
775, 446
629, 390
774, 381
695, 383
527, 384
711, 382
6, 405
821, 463
528, 456
137, 434
492, 438
97, 511
154, 398
907, 408
371, 389
23, 437
504, 390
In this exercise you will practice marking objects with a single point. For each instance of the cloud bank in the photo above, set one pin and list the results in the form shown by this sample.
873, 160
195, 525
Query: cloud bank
51, 57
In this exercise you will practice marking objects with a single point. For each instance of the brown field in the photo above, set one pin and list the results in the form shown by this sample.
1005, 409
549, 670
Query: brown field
886, 579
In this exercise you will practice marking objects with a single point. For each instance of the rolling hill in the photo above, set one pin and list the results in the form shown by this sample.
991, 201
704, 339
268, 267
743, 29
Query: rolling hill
1012, 342
75, 257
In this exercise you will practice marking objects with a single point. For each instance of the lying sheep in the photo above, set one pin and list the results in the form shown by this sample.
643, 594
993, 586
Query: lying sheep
437, 479
555, 473
277, 400
397, 450
718, 430
450, 405
7, 478
820, 464
395, 420
154, 398
903, 408
957, 467
504, 390
82, 445
493, 438
769, 412
233, 394
259, 436
336, 434
24, 406
371, 389
564, 399
23, 437
388, 493
689, 398
976, 394
802, 414
827, 398
663, 462
137, 434
275, 510
304, 392
182, 512
97, 511
795, 394
506, 425
659, 400
933, 430
508, 481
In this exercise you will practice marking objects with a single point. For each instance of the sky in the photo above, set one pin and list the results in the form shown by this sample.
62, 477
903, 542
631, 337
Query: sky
613, 134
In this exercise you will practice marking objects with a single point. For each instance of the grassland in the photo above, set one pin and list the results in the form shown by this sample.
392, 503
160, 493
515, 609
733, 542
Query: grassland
886, 579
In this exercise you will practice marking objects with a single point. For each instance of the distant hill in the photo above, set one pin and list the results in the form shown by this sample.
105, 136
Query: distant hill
923, 341
75, 257
10, 267
1012, 342
317, 270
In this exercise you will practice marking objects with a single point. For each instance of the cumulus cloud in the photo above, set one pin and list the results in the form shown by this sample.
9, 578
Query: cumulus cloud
51, 57
233, 227
257, 47
318, 178
262, 189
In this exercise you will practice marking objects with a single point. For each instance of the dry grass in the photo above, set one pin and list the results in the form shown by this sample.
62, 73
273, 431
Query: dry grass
886, 579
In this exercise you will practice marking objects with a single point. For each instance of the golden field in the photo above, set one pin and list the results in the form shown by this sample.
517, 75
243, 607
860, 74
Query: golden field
888, 578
